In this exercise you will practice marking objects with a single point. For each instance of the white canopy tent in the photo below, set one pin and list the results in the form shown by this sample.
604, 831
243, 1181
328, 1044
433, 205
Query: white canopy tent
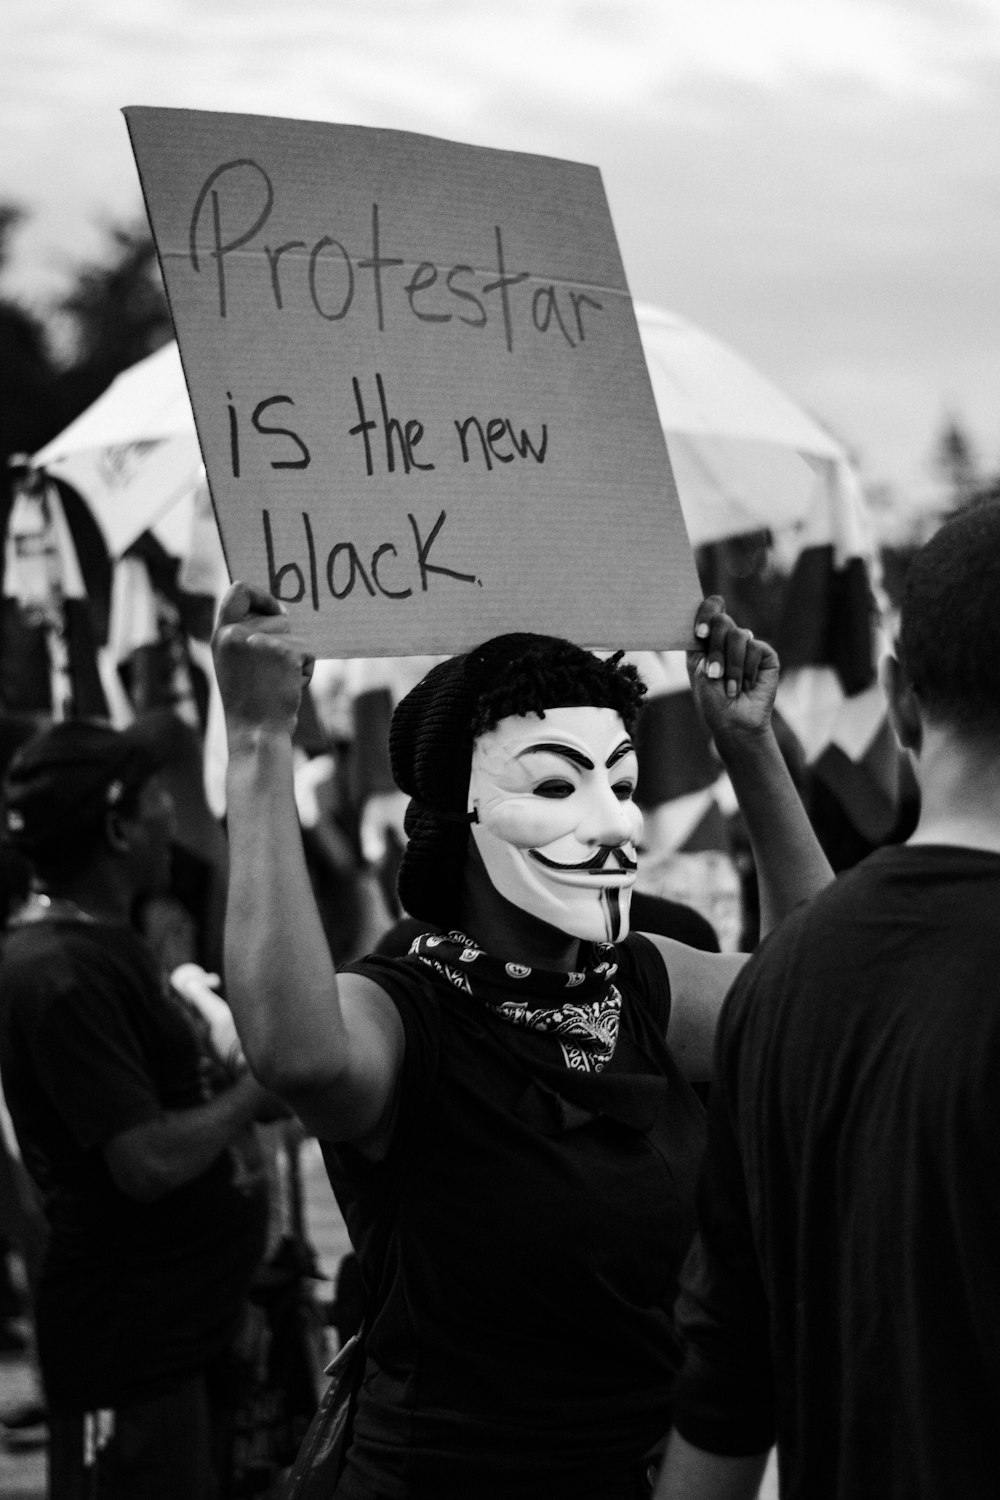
133, 455
745, 458
744, 455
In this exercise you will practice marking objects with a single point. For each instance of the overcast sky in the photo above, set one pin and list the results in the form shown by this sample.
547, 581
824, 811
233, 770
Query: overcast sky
817, 182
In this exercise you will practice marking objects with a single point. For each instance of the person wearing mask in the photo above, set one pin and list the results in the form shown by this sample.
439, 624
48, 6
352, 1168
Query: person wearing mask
507, 1108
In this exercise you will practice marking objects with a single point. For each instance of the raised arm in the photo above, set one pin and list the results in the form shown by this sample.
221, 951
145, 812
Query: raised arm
330, 1048
734, 679
153, 1158
689, 1473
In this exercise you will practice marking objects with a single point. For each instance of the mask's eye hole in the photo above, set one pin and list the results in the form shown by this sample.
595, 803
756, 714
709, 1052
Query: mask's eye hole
554, 787
624, 790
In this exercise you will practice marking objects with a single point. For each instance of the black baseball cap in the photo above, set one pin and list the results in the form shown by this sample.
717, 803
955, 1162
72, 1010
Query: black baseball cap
63, 781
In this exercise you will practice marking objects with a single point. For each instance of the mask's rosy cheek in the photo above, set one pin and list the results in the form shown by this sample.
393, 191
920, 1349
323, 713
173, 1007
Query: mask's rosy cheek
524, 825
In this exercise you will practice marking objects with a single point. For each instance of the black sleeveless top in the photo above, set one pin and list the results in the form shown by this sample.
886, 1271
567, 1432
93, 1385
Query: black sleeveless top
524, 1344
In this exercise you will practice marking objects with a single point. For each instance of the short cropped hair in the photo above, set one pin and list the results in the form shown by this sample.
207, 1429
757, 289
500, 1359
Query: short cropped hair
949, 638
62, 783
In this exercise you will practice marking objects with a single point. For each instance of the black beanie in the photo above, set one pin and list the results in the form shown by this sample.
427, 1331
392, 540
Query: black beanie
430, 749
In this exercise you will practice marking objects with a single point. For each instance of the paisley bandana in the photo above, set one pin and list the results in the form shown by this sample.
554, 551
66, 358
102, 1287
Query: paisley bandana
582, 1008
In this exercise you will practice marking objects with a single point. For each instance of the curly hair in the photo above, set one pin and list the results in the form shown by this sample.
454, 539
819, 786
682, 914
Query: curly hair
560, 675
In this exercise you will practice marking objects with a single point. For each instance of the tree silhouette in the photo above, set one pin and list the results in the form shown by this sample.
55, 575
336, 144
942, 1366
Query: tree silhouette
117, 313
27, 370
28, 373
956, 462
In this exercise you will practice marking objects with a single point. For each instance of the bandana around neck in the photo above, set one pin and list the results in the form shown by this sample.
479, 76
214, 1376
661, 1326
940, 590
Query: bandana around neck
582, 1008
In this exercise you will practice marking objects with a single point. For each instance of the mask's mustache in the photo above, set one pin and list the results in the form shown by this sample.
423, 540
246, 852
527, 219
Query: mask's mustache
597, 861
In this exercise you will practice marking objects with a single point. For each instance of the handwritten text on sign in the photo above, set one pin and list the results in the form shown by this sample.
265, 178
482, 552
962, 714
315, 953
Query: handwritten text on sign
418, 385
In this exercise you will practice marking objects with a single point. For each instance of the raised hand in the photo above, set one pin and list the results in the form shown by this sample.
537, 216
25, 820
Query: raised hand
733, 676
260, 665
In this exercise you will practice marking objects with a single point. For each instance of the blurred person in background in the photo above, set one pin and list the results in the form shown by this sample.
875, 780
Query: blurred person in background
156, 1225
22, 1223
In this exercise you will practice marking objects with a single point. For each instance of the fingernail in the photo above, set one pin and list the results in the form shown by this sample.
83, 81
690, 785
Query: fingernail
732, 688
714, 669
701, 630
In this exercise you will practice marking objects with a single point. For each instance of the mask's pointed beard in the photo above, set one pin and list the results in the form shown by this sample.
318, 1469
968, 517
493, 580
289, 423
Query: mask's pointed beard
611, 902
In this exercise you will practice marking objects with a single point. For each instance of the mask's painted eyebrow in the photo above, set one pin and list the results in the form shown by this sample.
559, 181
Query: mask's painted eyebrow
577, 757
568, 752
619, 753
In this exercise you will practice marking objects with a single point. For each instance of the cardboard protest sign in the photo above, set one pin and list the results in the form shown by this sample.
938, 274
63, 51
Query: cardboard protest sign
418, 385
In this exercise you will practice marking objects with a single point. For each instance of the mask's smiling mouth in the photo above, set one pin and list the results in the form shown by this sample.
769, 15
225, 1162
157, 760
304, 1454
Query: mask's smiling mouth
599, 864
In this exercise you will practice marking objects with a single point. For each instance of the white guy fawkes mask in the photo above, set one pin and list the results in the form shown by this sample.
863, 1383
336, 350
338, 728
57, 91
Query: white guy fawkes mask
555, 822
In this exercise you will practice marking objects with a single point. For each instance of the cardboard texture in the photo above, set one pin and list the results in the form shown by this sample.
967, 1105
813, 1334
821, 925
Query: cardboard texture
418, 385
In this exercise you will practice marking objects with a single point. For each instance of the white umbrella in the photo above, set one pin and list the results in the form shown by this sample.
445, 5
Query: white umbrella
746, 458
744, 455
134, 454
